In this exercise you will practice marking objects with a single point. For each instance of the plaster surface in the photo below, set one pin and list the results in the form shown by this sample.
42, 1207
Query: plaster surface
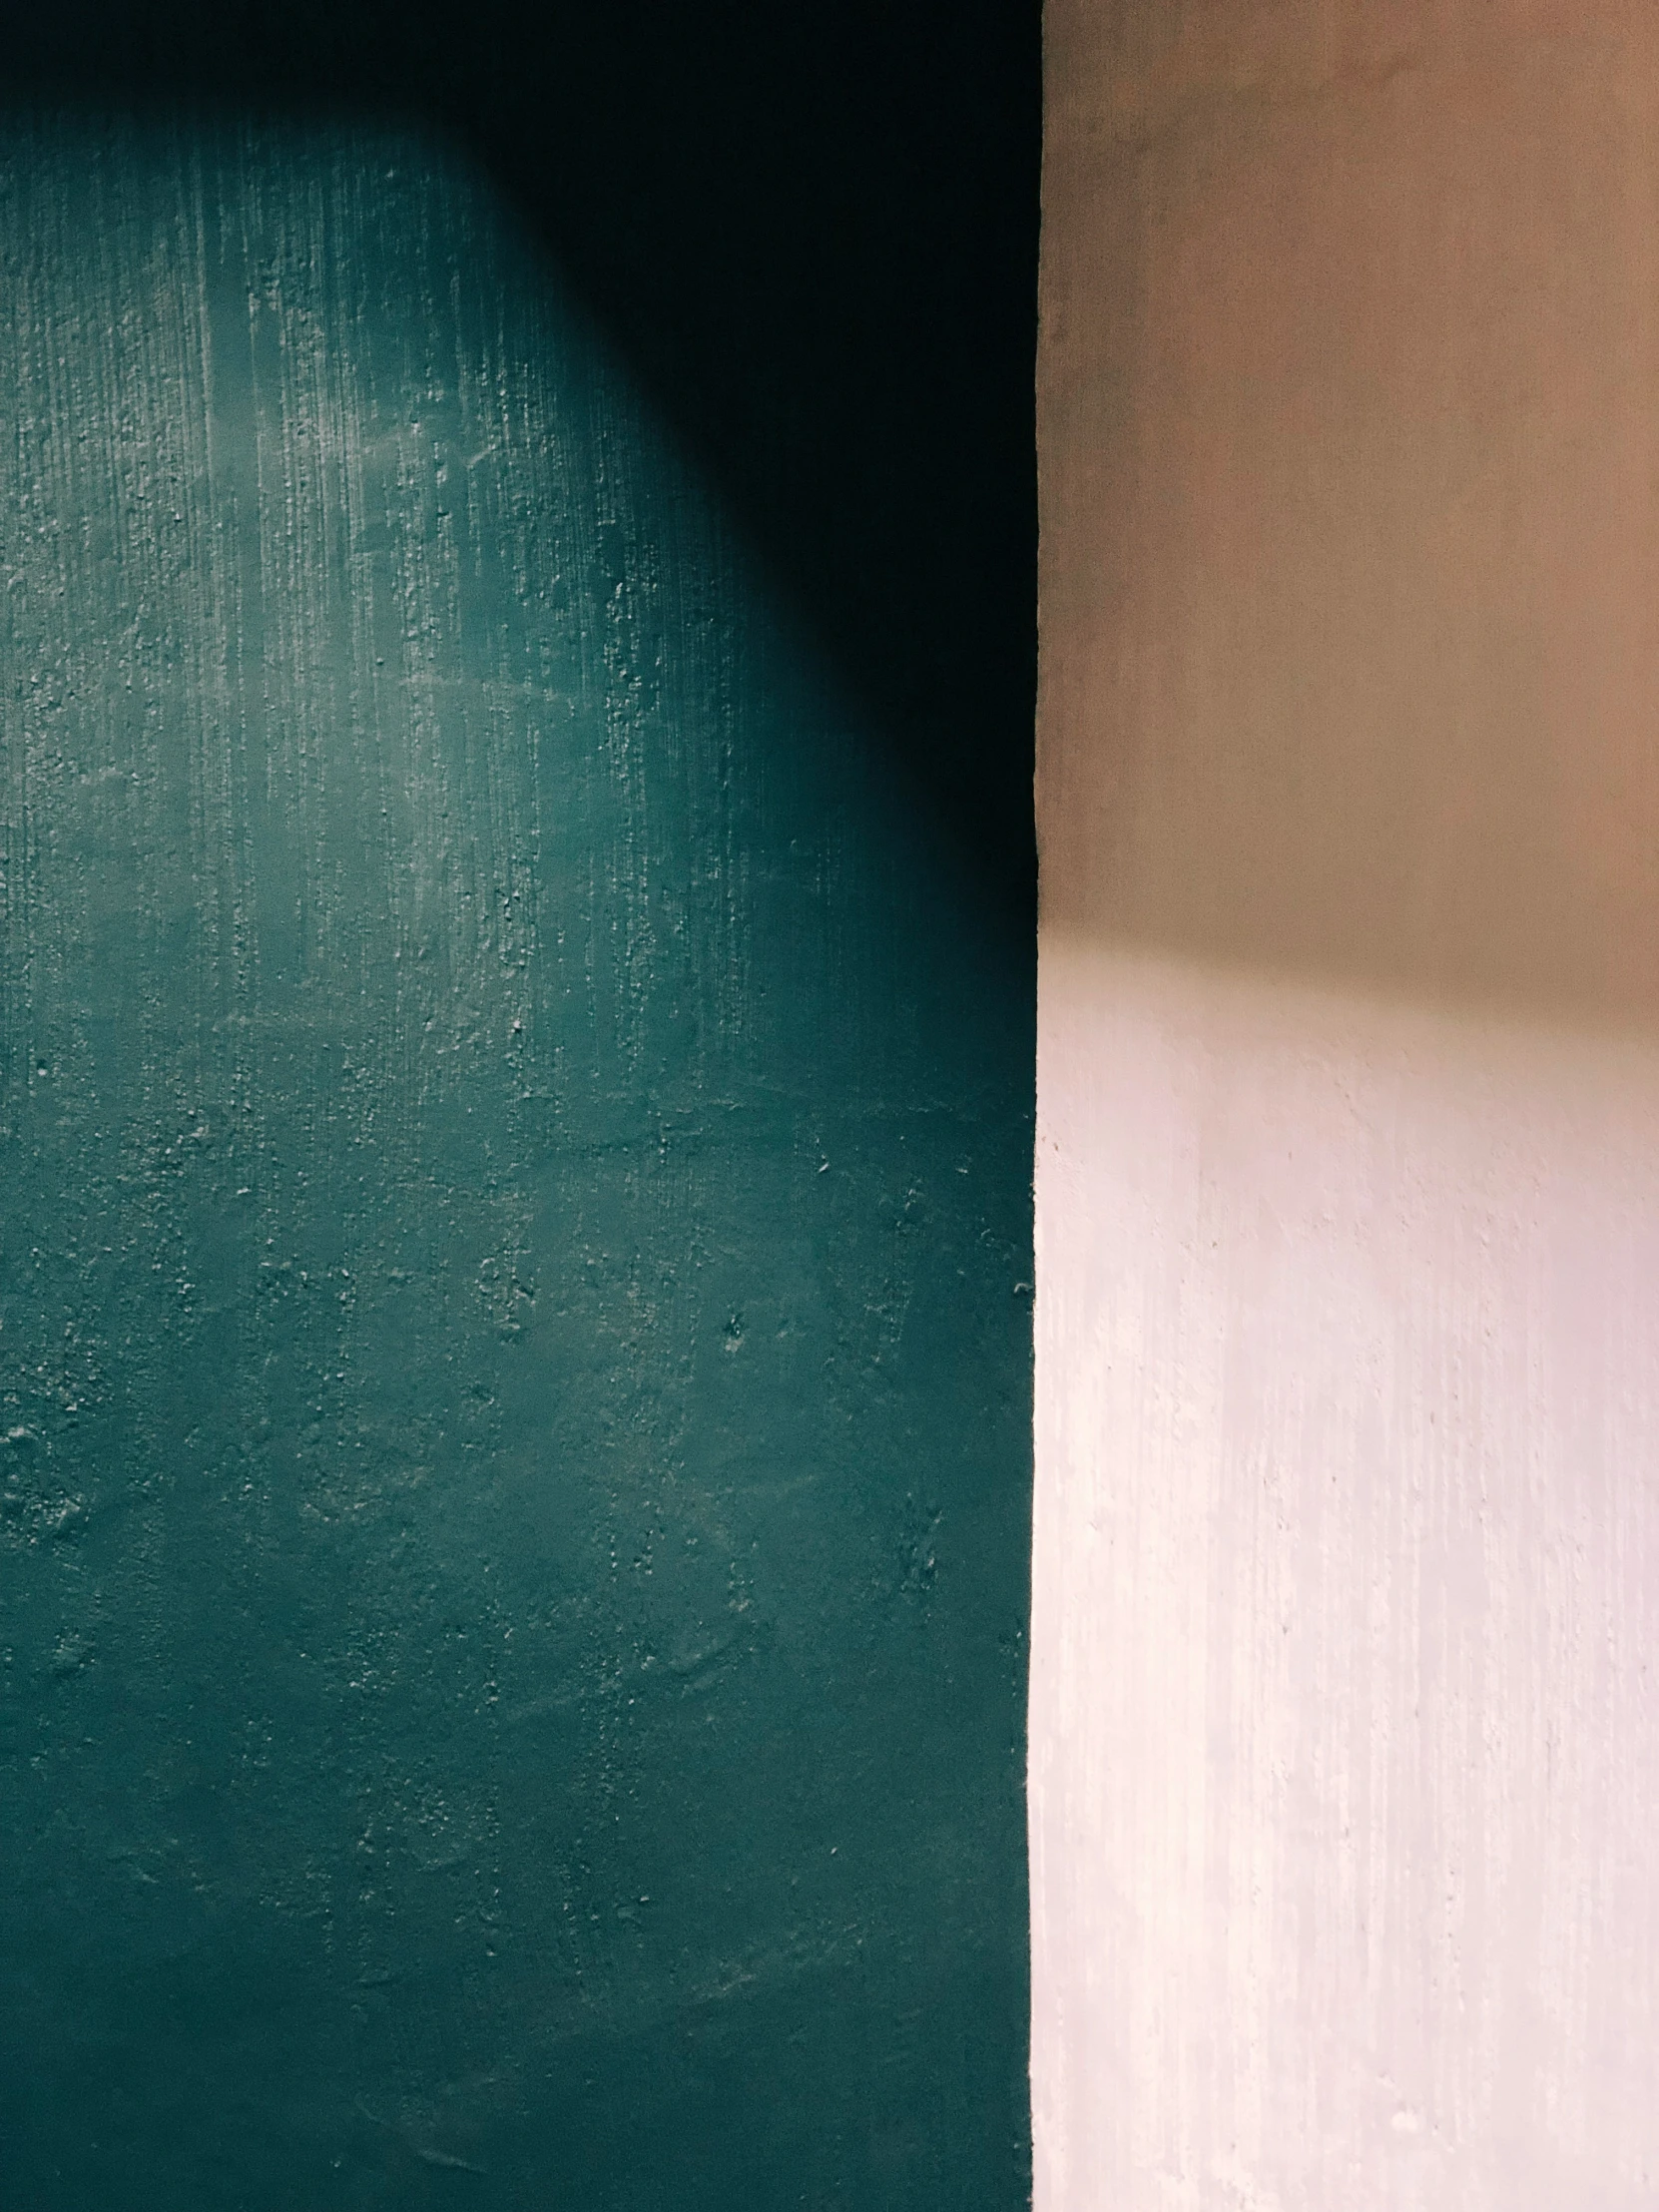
1345, 1756
514, 1262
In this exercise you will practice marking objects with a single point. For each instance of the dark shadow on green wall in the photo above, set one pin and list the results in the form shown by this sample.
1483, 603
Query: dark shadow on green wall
515, 1123
813, 229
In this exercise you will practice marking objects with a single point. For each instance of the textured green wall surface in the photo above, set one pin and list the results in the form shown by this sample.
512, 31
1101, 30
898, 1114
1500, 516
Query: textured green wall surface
514, 1265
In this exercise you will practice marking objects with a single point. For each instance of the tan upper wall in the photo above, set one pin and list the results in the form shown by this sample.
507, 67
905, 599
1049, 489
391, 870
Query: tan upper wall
1349, 423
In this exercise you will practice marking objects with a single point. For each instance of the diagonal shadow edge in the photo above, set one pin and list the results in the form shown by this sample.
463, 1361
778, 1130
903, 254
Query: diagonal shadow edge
812, 235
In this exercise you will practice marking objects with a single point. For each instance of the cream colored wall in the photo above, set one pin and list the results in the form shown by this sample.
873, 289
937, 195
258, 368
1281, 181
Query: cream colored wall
1345, 1742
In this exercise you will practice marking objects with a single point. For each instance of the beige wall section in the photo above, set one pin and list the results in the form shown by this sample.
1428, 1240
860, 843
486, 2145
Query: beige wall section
1345, 1729
1350, 445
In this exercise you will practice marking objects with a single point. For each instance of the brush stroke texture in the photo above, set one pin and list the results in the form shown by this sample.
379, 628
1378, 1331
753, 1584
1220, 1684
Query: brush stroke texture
515, 1393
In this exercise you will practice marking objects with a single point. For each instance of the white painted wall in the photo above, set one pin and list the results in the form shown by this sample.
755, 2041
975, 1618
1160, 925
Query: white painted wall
1345, 1722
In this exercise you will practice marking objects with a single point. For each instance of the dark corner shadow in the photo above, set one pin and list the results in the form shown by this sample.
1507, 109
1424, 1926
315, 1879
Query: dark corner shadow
812, 229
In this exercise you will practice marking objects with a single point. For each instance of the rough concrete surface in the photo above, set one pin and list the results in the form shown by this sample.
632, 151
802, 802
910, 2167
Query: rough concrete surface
514, 1265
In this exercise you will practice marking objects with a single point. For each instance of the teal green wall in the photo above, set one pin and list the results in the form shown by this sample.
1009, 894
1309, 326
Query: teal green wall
514, 1265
